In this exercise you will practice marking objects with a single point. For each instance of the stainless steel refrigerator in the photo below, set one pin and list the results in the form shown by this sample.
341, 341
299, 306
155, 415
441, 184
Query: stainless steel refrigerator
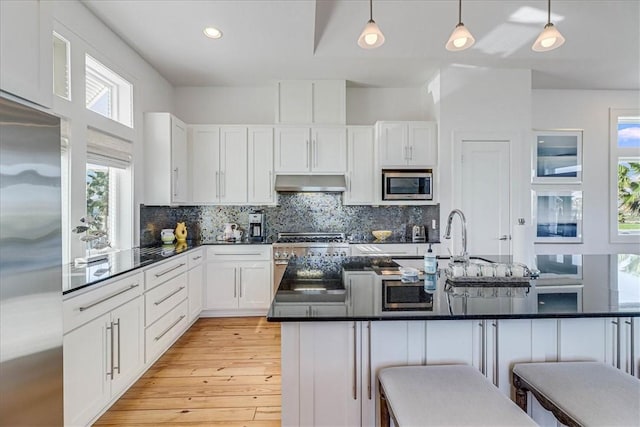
30, 268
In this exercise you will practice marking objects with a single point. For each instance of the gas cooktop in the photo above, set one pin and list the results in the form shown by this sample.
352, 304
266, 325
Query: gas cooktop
311, 237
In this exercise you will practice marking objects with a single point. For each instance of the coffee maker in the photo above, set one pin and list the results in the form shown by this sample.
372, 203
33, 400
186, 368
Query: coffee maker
257, 229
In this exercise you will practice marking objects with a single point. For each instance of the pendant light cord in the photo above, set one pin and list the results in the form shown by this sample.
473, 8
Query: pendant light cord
460, 11
371, 10
549, 12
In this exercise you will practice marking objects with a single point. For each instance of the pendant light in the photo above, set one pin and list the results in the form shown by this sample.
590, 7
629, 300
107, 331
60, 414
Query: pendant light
371, 36
550, 38
461, 38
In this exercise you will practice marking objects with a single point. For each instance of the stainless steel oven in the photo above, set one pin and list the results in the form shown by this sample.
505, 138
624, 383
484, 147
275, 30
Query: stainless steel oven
407, 184
400, 296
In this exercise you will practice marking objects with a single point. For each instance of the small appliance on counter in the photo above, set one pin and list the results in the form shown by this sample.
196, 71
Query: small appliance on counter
418, 234
257, 228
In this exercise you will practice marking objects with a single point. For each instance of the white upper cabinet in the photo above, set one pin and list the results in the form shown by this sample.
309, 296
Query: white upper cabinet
261, 191
318, 149
407, 144
165, 159
26, 50
218, 164
360, 170
311, 102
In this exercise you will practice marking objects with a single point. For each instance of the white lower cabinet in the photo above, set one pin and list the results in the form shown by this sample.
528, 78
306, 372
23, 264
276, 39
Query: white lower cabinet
387, 249
238, 280
330, 368
101, 359
195, 282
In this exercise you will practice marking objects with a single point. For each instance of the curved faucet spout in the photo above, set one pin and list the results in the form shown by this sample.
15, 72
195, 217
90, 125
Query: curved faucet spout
464, 256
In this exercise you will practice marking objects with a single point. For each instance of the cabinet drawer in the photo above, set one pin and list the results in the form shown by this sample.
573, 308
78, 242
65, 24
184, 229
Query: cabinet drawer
162, 333
194, 258
165, 271
89, 305
239, 253
164, 297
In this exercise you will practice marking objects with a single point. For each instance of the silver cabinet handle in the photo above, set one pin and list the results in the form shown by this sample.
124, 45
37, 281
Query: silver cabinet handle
496, 365
100, 301
308, 153
483, 366
175, 182
169, 328
235, 283
355, 362
632, 350
369, 387
315, 152
117, 323
223, 184
169, 270
195, 258
617, 337
504, 237
411, 152
240, 281
161, 300
110, 329
217, 184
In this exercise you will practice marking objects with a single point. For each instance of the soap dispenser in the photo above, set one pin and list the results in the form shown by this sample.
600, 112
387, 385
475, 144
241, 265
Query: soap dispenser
430, 262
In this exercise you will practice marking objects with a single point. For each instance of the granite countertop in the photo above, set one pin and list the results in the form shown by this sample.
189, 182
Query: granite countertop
354, 288
392, 239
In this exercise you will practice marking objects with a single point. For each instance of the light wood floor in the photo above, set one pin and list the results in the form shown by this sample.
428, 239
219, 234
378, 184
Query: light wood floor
221, 372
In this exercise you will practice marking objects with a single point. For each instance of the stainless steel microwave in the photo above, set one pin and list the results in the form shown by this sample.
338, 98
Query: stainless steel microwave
407, 184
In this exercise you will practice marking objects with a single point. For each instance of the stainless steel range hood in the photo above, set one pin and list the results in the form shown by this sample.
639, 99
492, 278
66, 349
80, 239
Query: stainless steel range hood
311, 183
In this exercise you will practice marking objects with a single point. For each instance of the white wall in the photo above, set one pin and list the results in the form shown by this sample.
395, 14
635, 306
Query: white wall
256, 105
485, 103
589, 111
152, 92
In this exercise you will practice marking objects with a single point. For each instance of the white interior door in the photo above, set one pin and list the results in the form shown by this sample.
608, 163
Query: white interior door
484, 195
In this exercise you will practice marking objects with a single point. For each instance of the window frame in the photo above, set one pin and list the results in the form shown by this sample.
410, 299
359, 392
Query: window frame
67, 44
616, 153
121, 91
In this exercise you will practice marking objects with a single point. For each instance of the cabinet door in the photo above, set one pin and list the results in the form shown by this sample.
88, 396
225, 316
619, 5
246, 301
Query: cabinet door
260, 166
233, 165
453, 341
254, 283
361, 182
205, 158
222, 289
383, 249
292, 150
87, 365
329, 150
361, 295
329, 382
195, 281
128, 344
392, 144
422, 143
179, 169
26, 57
572, 344
386, 344
329, 101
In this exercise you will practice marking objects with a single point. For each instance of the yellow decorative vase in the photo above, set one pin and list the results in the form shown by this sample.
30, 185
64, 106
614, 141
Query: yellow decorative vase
181, 232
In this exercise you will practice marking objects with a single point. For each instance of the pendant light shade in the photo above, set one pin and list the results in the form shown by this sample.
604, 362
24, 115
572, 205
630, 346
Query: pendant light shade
461, 38
371, 36
550, 38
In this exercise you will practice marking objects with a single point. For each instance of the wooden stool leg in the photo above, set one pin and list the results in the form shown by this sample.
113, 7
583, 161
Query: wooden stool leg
521, 393
385, 418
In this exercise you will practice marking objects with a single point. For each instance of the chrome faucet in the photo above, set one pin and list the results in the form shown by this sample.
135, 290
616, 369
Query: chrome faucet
464, 256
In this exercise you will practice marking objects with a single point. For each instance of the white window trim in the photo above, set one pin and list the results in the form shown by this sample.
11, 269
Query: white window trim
614, 153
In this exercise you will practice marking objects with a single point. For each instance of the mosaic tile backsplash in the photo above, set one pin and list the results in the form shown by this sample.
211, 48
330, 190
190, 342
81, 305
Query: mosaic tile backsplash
296, 212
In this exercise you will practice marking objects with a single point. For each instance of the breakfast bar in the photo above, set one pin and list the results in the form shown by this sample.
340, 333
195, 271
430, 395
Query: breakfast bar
342, 321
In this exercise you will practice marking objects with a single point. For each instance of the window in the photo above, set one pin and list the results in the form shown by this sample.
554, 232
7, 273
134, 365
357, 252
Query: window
61, 67
109, 190
625, 175
107, 93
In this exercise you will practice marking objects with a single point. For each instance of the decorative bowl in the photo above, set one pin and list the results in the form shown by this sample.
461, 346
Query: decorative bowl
381, 234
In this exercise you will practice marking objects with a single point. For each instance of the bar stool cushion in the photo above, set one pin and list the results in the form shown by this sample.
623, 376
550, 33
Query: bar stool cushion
592, 393
447, 395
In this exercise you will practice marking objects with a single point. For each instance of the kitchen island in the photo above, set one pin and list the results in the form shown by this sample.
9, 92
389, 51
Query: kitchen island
341, 324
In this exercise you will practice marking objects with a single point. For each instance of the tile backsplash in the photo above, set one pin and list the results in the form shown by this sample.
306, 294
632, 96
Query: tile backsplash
295, 212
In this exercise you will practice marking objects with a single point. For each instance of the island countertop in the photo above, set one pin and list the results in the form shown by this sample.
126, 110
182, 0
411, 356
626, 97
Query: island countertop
365, 288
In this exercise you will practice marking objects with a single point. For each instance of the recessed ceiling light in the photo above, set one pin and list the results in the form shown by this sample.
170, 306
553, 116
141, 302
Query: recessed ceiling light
212, 33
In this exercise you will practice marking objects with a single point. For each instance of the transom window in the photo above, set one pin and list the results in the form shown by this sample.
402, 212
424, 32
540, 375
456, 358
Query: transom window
107, 93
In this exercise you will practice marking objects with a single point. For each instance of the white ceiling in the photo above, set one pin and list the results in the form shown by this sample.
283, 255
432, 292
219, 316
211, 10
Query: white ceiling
269, 40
